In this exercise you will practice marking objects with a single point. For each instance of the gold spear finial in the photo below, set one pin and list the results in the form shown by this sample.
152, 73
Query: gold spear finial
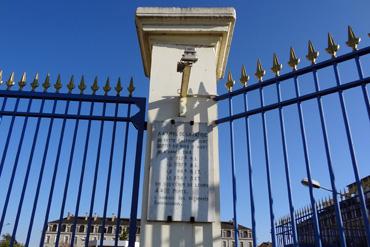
131, 87
107, 87
230, 82
95, 86
276, 66
22, 82
312, 55
46, 83
1, 77
35, 82
58, 84
10, 81
332, 46
293, 60
82, 85
71, 85
244, 78
118, 87
260, 71
353, 41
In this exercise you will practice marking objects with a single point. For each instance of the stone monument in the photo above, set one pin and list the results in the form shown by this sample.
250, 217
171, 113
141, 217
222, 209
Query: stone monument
184, 53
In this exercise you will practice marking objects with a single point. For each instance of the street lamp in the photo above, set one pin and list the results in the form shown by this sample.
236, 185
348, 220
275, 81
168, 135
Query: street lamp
316, 185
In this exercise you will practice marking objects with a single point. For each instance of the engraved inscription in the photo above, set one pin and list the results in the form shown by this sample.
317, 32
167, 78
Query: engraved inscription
179, 183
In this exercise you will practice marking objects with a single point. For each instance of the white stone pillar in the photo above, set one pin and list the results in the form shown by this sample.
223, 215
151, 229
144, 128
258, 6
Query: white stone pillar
164, 33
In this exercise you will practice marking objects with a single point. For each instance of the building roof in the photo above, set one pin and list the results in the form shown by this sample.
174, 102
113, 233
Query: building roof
125, 221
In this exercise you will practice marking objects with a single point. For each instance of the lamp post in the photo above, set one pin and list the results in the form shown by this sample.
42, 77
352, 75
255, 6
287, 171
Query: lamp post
316, 185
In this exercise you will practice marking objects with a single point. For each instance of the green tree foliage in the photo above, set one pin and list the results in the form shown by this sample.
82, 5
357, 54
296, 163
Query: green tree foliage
5, 241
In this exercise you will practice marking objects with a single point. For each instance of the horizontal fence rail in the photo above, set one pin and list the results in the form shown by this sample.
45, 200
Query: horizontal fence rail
274, 109
64, 152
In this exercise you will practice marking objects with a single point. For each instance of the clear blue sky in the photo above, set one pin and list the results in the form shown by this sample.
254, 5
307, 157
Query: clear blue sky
99, 38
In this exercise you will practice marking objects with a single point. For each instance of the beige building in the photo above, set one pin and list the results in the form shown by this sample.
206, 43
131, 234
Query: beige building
227, 232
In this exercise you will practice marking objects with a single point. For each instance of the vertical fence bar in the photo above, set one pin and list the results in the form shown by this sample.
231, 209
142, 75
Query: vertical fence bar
11, 126
286, 166
315, 218
136, 182
27, 175
127, 125
360, 191
338, 214
268, 174
40, 176
364, 91
54, 178
109, 173
66, 185
95, 178
86, 147
5, 207
250, 173
232, 156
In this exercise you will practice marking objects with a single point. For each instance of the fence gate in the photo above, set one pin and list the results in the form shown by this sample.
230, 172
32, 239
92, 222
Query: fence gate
336, 221
66, 152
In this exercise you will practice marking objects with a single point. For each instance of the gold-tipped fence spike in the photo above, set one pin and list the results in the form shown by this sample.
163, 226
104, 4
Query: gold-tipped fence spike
332, 46
22, 82
276, 66
118, 87
82, 85
244, 78
95, 86
131, 87
58, 84
230, 82
260, 72
10, 81
353, 41
1, 77
35, 82
71, 84
312, 55
293, 60
107, 87
46, 83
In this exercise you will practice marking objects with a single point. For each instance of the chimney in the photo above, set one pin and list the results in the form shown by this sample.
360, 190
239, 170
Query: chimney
95, 217
69, 216
113, 217
86, 216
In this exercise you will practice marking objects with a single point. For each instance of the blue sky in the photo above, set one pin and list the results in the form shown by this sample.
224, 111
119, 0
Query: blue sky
98, 38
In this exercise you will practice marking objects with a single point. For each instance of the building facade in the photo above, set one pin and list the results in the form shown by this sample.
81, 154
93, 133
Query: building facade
96, 229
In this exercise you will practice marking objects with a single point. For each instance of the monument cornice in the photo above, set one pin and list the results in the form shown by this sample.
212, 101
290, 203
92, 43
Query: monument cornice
186, 26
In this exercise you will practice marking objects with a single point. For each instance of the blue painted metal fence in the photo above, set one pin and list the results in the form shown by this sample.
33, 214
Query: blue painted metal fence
258, 88
59, 144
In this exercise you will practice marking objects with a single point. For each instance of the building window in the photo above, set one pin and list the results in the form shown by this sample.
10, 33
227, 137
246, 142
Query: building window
81, 228
224, 244
54, 228
138, 230
63, 228
110, 229
65, 239
250, 244
233, 243
241, 244
92, 229
47, 239
228, 233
